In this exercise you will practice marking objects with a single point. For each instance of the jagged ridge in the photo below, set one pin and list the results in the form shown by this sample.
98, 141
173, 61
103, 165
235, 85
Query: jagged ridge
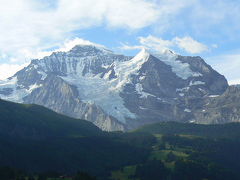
116, 92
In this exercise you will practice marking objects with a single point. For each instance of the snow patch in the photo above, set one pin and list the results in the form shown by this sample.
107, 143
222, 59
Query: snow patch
105, 66
97, 90
105, 93
162, 100
195, 83
181, 69
44, 75
18, 92
32, 87
124, 70
143, 108
106, 76
185, 89
213, 96
142, 78
200, 89
140, 91
187, 110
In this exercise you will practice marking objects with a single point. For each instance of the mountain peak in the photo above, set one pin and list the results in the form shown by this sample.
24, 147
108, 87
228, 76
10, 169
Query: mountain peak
142, 55
113, 90
91, 48
162, 53
168, 51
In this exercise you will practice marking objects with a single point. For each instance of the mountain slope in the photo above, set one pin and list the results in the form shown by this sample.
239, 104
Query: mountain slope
36, 122
36, 139
220, 109
189, 151
116, 92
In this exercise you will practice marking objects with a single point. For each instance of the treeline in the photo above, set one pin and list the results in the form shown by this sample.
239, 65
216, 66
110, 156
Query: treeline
183, 170
7, 173
220, 151
98, 156
207, 159
224, 131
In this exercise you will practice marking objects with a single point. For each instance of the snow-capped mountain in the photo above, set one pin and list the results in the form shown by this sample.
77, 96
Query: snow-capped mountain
116, 92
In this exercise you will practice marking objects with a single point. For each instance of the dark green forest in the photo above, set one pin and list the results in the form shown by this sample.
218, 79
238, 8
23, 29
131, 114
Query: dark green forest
37, 143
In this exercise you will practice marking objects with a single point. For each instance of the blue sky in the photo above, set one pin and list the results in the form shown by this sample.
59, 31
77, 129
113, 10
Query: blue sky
33, 28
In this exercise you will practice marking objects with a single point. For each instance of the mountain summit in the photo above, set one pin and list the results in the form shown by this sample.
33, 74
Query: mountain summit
113, 91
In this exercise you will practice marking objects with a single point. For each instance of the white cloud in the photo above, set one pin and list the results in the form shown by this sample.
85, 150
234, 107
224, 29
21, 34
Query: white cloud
69, 44
234, 82
149, 42
133, 14
157, 44
190, 45
8, 70
125, 13
30, 25
64, 47
129, 47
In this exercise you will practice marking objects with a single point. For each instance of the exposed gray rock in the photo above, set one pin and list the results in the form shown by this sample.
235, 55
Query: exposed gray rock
63, 98
118, 92
167, 96
6, 91
220, 109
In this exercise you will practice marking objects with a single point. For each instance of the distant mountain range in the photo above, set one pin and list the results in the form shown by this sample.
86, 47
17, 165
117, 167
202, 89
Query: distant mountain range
118, 92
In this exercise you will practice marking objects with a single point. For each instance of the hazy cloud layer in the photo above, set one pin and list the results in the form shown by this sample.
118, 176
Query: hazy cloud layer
190, 45
157, 44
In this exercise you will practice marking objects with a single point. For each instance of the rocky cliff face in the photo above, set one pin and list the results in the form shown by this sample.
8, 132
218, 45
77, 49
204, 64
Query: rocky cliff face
61, 97
169, 87
220, 109
117, 92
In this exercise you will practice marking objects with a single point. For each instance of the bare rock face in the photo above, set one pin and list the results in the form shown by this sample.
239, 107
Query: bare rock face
220, 109
118, 92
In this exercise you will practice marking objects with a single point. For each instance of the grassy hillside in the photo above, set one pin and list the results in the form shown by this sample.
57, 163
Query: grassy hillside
230, 130
188, 151
37, 122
